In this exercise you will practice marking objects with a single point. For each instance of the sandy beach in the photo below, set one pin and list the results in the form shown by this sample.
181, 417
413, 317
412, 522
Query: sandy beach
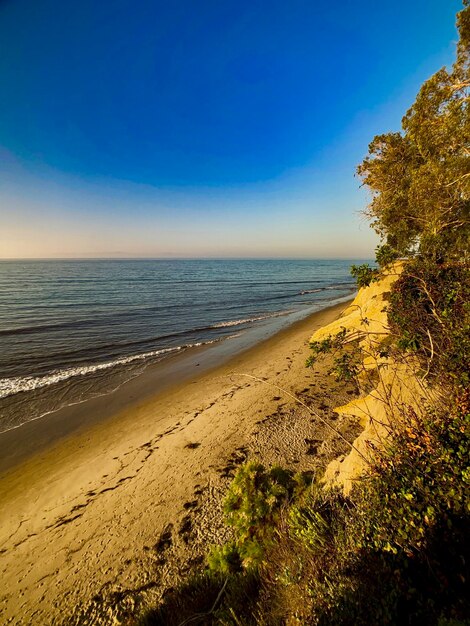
101, 521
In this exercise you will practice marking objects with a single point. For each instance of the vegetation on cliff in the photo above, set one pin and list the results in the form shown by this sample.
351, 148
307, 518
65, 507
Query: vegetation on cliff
395, 548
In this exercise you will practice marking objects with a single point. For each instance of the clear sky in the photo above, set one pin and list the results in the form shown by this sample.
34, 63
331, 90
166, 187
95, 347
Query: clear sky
218, 128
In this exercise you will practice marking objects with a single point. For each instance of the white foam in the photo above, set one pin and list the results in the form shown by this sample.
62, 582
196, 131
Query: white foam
247, 320
11, 386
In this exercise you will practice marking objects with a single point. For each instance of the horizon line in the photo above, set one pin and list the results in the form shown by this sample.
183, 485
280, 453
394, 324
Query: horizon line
176, 258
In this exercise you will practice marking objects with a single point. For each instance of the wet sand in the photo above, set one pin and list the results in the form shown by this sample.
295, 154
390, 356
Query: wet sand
86, 520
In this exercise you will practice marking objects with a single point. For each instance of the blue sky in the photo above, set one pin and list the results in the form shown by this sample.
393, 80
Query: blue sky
202, 128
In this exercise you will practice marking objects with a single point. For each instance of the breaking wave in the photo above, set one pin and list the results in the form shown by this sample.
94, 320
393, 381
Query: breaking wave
11, 386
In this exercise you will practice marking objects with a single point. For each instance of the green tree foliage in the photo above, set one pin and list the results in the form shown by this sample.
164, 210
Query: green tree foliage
345, 352
420, 178
385, 255
420, 184
364, 274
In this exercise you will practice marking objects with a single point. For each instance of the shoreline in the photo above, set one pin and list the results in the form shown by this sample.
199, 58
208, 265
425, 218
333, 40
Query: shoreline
79, 525
37, 435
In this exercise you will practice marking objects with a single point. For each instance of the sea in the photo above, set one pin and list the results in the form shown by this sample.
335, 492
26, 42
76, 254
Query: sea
75, 329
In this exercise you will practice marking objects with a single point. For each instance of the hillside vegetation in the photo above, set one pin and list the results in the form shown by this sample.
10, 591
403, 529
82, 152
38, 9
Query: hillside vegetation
383, 536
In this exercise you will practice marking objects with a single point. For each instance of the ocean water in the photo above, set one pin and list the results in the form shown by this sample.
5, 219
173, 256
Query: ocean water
73, 329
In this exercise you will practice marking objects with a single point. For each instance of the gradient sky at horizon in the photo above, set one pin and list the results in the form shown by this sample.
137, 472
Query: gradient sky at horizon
202, 129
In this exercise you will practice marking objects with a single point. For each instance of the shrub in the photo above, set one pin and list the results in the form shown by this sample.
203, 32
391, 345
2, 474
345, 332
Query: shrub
414, 507
225, 559
429, 313
364, 274
317, 521
251, 507
397, 550
385, 255
346, 354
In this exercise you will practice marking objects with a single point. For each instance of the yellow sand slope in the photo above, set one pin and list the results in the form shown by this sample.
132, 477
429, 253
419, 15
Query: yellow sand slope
366, 316
397, 384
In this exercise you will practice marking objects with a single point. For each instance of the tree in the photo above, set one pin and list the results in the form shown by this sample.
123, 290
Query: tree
420, 177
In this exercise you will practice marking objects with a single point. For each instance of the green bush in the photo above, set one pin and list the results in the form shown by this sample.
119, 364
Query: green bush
317, 521
385, 255
329, 345
347, 356
254, 496
413, 513
225, 559
397, 551
364, 274
429, 313
251, 507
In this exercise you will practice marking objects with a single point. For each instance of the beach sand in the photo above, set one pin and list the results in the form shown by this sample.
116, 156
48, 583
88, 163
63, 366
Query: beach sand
115, 511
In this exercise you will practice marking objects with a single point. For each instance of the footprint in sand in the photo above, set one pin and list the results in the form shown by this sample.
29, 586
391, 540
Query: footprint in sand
192, 446
313, 445
165, 540
185, 528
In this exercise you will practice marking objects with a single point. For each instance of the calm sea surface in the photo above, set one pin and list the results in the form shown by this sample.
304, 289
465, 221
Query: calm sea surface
73, 329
